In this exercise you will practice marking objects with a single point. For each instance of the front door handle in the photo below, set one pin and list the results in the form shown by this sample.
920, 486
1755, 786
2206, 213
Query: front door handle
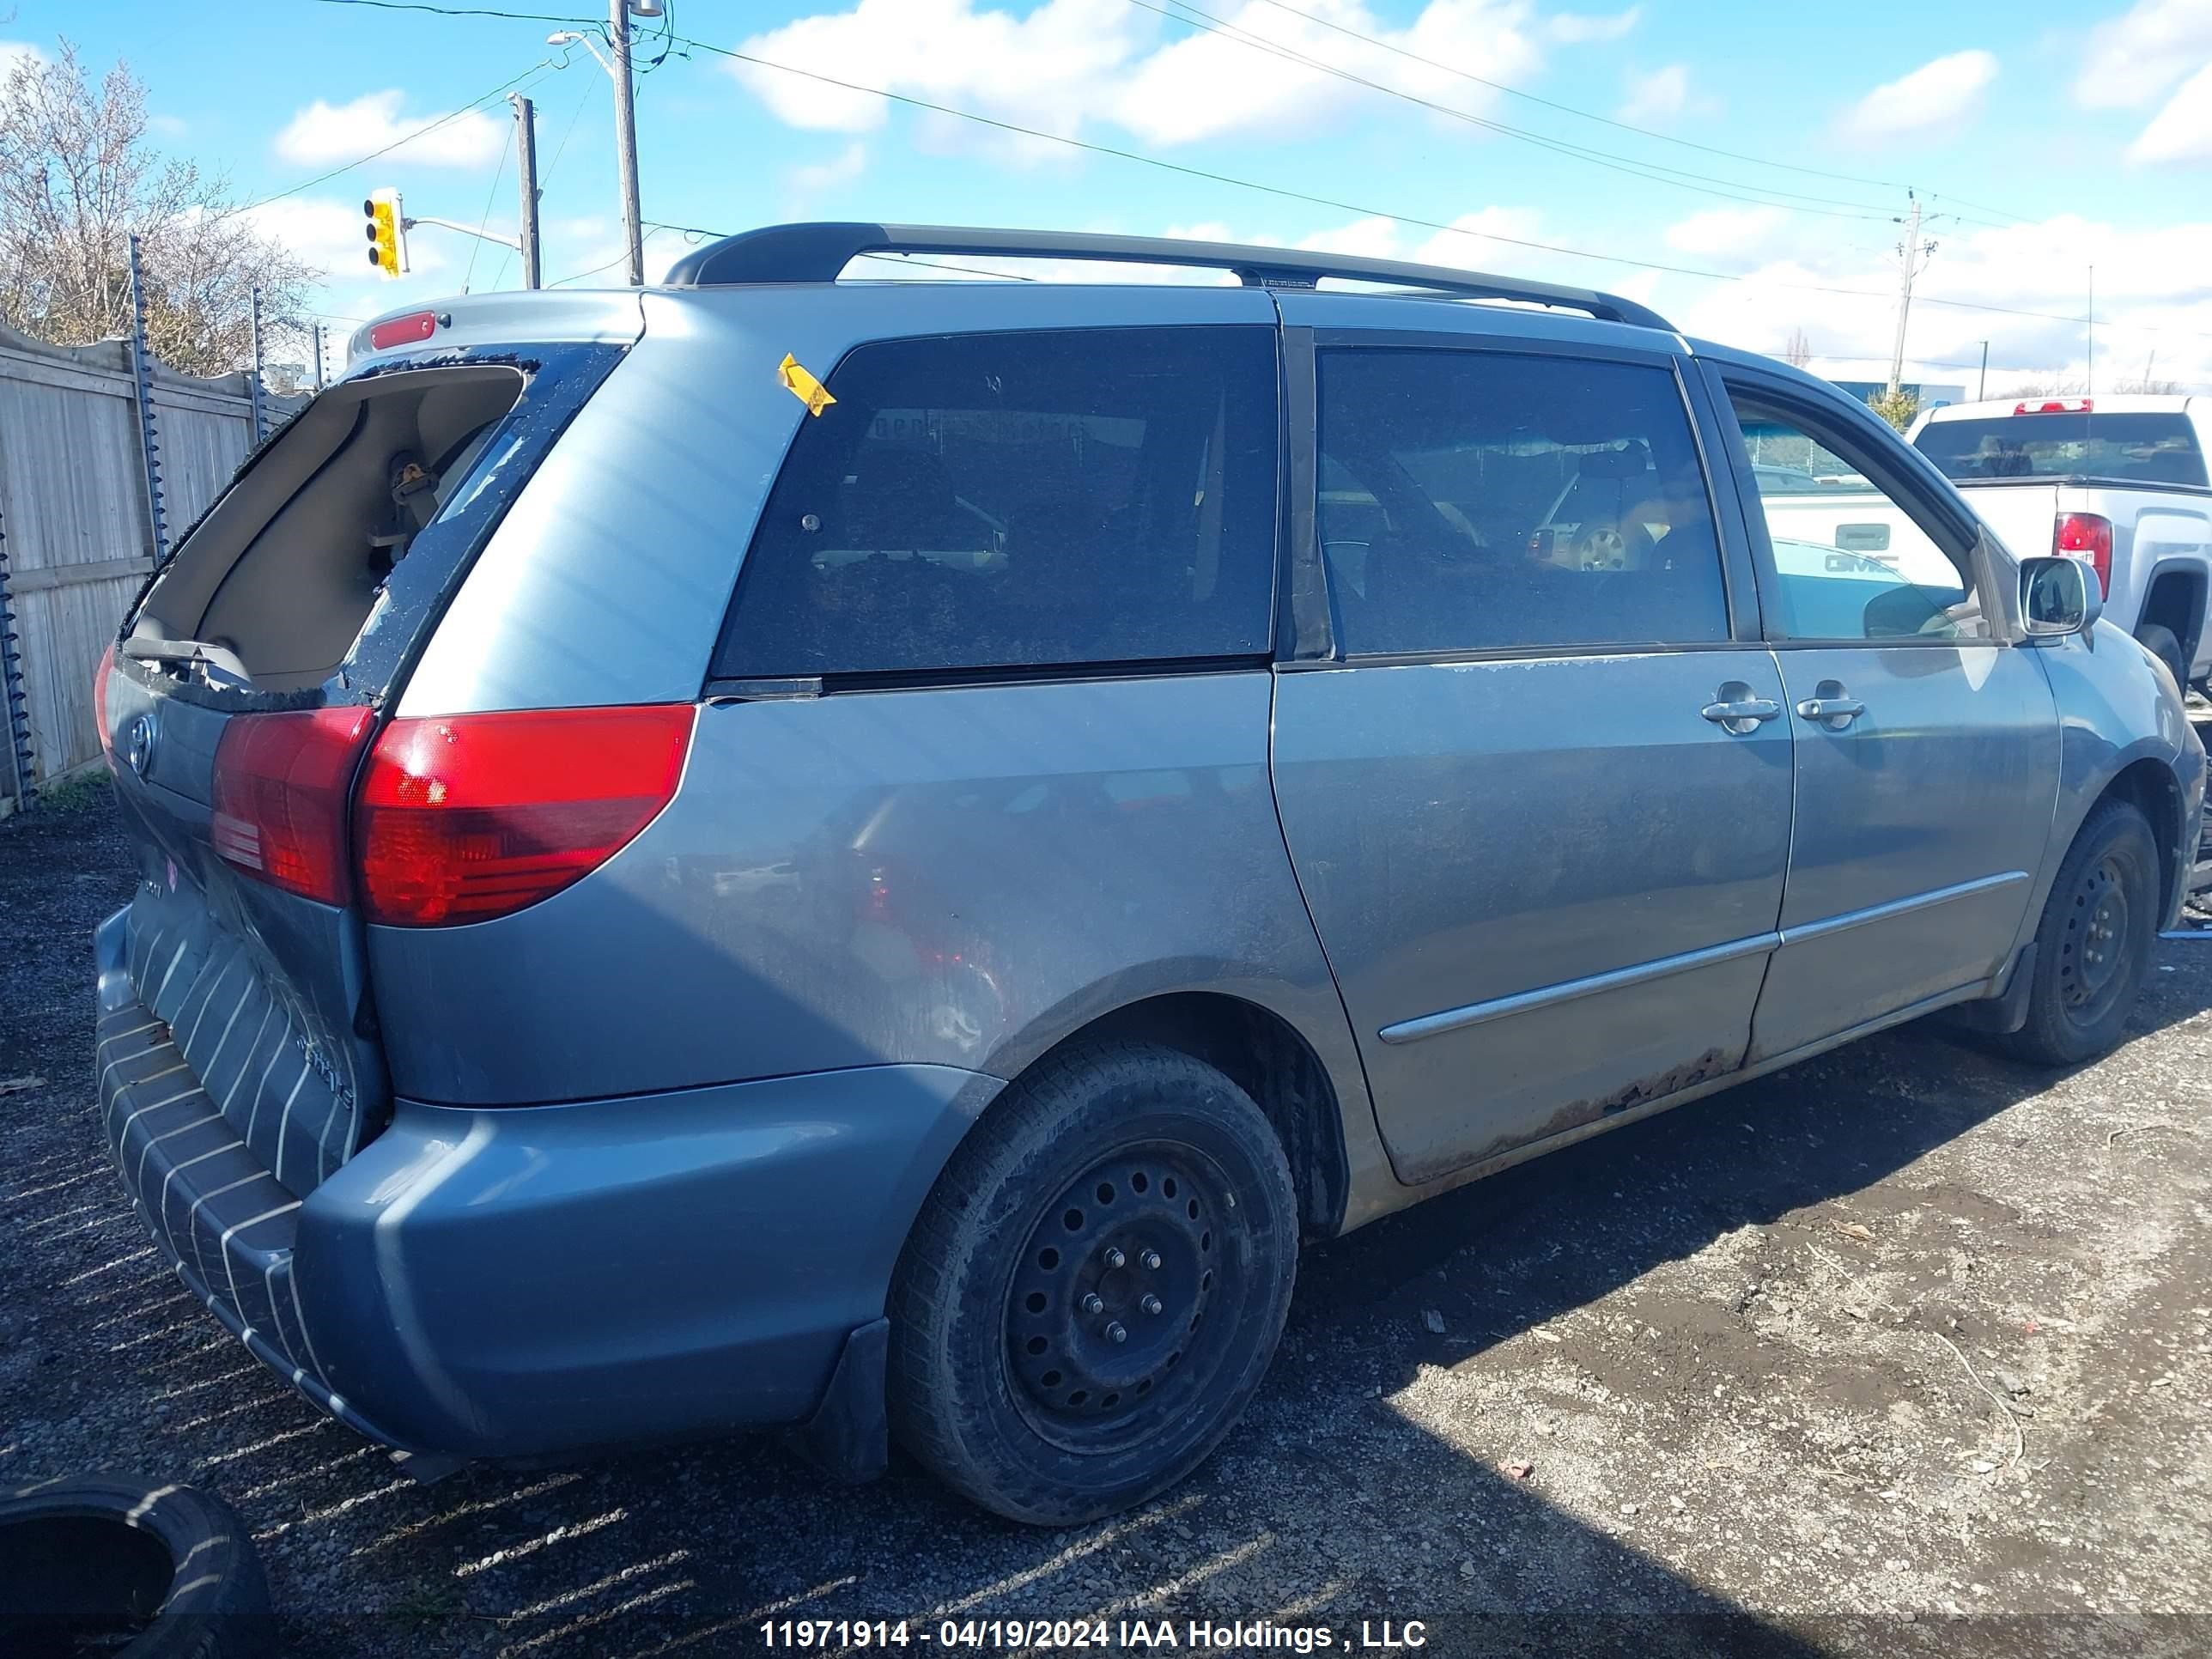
1829, 707
1735, 709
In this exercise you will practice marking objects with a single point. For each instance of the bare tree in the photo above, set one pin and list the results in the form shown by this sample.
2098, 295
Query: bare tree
77, 178
1799, 351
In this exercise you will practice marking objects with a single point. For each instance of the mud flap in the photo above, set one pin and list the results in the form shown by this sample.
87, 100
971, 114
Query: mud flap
2006, 1011
849, 1436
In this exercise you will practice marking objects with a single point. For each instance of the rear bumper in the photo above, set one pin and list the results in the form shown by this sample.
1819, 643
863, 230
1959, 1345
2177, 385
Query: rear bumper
521, 1282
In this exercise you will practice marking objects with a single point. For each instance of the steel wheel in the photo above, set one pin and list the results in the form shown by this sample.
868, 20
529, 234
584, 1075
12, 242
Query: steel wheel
2095, 946
1107, 1315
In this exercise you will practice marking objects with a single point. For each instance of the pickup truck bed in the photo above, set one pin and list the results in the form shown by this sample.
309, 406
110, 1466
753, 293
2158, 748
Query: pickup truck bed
2120, 482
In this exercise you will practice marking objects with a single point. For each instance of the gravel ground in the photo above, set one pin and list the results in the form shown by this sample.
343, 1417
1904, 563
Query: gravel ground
1906, 1350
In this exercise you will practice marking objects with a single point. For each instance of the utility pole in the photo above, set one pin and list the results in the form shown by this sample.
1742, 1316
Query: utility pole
1982, 385
260, 414
315, 348
626, 135
525, 166
2090, 367
1915, 256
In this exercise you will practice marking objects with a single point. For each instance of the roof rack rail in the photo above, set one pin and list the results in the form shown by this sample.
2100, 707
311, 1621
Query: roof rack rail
819, 253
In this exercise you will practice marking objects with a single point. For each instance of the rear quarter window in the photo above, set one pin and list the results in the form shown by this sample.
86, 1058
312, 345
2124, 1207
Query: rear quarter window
1035, 499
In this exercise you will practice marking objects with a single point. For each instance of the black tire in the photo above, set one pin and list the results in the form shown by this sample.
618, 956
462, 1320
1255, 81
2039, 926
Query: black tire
2093, 946
85, 1563
2160, 643
1125, 1172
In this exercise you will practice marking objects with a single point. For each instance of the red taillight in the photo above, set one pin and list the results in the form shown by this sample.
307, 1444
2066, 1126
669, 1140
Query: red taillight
2054, 406
281, 787
2086, 535
99, 703
471, 816
403, 330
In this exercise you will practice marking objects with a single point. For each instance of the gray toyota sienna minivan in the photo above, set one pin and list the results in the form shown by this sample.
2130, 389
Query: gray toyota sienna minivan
872, 858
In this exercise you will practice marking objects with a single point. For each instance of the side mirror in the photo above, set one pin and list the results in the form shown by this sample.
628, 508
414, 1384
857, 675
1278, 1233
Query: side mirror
2058, 595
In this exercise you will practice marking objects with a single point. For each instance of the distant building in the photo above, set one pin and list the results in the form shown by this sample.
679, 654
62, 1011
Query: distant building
1929, 397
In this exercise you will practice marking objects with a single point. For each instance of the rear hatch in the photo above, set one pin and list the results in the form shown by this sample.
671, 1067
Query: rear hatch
238, 705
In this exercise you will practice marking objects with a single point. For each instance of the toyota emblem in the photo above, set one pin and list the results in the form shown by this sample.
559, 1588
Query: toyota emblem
138, 743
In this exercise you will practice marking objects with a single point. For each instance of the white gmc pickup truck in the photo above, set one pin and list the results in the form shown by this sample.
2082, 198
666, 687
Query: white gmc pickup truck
2120, 482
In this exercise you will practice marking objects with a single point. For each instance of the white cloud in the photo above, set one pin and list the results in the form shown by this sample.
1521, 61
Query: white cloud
1374, 238
1068, 64
168, 126
2182, 132
2134, 57
323, 134
1659, 96
1732, 236
2151, 294
1572, 29
1933, 96
813, 178
15, 51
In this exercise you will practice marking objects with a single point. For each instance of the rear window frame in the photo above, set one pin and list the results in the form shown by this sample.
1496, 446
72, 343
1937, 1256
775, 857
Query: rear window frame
726, 679
1738, 584
558, 378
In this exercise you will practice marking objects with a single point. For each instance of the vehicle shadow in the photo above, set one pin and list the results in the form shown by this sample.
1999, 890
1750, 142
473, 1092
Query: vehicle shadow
1340, 1502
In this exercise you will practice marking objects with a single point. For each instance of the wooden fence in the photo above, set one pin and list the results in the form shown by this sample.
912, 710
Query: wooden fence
73, 512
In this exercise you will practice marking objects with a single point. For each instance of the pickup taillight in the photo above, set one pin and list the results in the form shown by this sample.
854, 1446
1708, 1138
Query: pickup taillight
2086, 535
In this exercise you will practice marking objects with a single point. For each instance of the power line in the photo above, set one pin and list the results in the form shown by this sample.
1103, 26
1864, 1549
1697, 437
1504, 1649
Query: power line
444, 120
1587, 115
939, 264
467, 11
545, 176
1276, 191
1338, 206
1701, 184
476, 242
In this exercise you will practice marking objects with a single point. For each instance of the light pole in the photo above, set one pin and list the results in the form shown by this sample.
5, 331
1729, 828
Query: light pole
618, 70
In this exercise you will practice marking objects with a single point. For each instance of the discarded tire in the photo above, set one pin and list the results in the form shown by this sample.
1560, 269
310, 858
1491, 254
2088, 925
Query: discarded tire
128, 1568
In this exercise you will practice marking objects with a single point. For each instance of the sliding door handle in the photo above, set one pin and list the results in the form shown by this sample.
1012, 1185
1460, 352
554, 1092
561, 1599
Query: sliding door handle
1737, 710
1829, 707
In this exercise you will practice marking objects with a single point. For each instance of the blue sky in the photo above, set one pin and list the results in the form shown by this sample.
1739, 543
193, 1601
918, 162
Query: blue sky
2042, 138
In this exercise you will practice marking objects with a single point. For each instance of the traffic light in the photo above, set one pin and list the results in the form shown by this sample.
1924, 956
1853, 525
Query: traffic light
387, 232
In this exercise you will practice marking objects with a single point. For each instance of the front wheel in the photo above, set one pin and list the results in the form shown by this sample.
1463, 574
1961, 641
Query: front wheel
1095, 1286
2092, 947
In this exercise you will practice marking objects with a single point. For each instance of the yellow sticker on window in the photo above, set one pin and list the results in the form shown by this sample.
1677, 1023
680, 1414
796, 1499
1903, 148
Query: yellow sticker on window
804, 386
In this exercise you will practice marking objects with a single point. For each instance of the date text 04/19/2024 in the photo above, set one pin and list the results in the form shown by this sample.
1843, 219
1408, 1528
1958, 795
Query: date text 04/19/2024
1012, 1634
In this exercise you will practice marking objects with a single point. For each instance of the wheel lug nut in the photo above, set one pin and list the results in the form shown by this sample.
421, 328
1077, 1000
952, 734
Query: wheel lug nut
1151, 1260
1092, 1304
1151, 1304
1114, 1257
1114, 1333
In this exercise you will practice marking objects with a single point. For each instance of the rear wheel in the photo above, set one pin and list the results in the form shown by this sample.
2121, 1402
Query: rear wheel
2092, 947
1095, 1286
2160, 641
